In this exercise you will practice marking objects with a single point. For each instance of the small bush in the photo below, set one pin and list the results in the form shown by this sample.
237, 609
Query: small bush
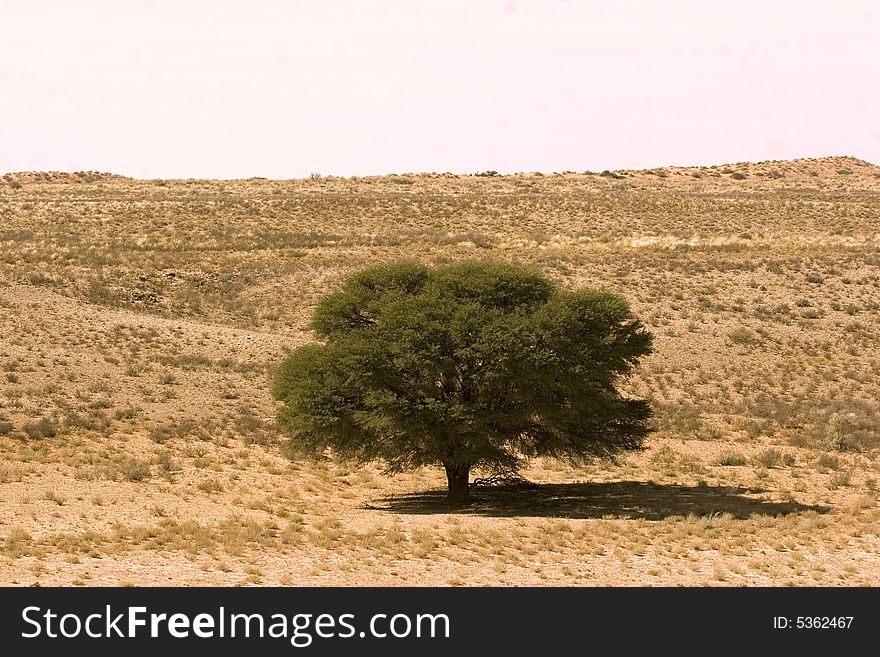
42, 428
769, 458
731, 459
52, 496
211, 486
134, 469
166, 465
94, 420
127, 413
665, 455
16, 543
292, 534
742, 336
176, 429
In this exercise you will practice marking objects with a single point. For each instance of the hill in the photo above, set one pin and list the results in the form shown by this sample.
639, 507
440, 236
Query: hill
58, 177
833, 168
822, 168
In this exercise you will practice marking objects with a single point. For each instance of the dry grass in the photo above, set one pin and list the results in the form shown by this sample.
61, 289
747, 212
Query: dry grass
140, 321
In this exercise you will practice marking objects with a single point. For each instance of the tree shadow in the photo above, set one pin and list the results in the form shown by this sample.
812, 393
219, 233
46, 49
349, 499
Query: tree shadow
619, 499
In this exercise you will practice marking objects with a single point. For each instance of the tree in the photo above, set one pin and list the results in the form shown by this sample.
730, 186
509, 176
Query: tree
471, 365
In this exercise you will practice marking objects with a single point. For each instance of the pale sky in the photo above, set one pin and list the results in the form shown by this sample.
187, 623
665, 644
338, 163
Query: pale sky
283, 88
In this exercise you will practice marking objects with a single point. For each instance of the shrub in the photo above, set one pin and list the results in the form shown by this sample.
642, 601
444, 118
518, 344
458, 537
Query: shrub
16, 543
127, 413
731, 459
133, 469
210, 486
769, 458
742, 336
812, 313
42, 428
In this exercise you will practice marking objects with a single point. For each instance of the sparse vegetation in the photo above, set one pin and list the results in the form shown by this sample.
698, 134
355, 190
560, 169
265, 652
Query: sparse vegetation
732, 458
742, 336
42, 428
769, 458
140, 324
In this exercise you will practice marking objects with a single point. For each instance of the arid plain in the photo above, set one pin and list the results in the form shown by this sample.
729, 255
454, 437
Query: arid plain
140, 322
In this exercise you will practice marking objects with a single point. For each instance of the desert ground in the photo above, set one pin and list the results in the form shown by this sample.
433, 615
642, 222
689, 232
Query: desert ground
141, 320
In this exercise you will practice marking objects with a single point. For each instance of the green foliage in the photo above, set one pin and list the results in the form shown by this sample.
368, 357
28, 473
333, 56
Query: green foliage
471, 365
742, 336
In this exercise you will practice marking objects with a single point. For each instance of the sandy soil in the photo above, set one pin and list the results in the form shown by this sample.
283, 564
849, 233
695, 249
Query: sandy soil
140, 322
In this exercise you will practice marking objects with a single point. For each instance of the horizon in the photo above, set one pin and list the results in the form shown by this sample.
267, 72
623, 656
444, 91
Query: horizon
269, 89
455, 173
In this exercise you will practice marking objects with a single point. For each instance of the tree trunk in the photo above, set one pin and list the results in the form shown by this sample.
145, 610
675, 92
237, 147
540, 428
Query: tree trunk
457, 475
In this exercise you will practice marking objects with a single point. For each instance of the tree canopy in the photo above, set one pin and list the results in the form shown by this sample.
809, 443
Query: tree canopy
474, 365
